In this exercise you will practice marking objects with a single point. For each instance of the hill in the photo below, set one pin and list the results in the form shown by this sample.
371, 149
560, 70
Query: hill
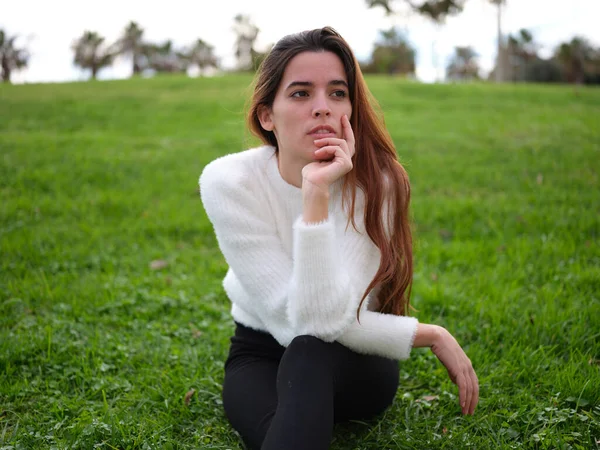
111, 306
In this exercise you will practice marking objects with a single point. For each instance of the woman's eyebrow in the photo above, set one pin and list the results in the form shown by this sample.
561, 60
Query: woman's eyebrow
300, 83
311, 84
337, 83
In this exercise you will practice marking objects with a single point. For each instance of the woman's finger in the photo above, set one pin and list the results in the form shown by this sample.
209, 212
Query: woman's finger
461, 382
348, 133
335, 150
475, 399
325, 152
469, 394
334, 141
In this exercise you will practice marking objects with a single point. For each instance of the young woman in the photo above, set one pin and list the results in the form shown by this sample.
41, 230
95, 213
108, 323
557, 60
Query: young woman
314, 227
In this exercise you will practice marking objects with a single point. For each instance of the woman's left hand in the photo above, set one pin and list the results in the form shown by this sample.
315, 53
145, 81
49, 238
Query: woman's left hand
460, 369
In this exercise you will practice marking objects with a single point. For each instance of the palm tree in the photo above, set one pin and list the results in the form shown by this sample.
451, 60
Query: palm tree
526, 42
90, 52
11, 58
131, 44
201, 54
522, 52
393, 54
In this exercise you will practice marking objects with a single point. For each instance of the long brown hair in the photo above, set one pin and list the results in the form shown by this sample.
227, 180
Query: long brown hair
377, 171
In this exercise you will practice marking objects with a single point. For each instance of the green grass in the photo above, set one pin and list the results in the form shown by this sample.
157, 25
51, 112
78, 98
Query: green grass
98, 350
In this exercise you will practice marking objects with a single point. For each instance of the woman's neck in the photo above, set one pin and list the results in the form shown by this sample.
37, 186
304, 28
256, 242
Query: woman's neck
290, 171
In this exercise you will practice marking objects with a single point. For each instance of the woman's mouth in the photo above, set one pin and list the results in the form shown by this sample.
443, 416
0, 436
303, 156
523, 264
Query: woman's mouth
322, 131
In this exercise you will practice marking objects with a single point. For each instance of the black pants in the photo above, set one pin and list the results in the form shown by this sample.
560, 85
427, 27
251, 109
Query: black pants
289, 398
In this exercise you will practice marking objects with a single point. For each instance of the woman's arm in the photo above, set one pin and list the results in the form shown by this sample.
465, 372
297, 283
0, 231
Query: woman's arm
307, 292
452, 356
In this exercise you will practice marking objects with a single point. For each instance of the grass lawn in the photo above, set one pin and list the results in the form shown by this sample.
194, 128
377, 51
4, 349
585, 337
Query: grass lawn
113, 322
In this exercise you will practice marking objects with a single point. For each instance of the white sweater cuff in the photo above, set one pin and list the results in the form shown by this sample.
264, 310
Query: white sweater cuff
385, 335
314, 252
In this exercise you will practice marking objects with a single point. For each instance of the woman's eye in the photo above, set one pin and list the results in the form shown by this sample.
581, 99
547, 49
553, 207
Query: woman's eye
300, 94
339, 94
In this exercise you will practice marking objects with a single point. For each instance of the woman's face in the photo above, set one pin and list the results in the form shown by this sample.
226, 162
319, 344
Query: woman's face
309, 104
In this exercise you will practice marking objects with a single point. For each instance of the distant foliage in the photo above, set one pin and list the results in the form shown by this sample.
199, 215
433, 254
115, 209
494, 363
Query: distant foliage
165, 58
11, 57
580, 61
436, 10
131, 44
92, 53
576, 61
201, 54
463, 66
518, 60
393, 55
544, 71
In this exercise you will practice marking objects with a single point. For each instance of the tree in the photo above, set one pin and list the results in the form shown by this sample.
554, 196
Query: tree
521, 53
592, 68
91, 53
393, 54
527, 47
11, 57
246, 33
437, 10
576, 57
165, 58
131, 44
201, 55
463, 65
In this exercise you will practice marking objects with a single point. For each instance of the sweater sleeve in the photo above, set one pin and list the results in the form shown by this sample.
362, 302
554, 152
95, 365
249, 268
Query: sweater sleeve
322, 299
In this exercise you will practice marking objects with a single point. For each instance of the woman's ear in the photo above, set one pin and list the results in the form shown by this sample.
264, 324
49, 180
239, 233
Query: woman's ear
264, 116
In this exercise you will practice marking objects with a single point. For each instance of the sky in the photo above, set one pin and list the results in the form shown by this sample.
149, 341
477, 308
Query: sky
48, 28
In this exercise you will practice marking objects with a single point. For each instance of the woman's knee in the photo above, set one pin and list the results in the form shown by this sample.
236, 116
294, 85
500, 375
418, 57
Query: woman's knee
306, 340
310, 347
308, 353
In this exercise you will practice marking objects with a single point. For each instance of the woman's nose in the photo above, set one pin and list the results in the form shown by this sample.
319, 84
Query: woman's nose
321, 108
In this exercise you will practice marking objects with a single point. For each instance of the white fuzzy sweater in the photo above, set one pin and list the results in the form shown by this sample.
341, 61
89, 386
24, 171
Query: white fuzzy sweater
290, 278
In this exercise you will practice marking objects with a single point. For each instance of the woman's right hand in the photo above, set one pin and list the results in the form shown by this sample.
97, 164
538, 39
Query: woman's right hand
333, 159
460, 369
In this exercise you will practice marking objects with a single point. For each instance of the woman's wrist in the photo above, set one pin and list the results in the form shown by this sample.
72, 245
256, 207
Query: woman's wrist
316, 203
428, 335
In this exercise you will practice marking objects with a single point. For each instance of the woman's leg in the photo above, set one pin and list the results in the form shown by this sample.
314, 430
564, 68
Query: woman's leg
366, 386
293, 403
305, 389
249, 389
319, 383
